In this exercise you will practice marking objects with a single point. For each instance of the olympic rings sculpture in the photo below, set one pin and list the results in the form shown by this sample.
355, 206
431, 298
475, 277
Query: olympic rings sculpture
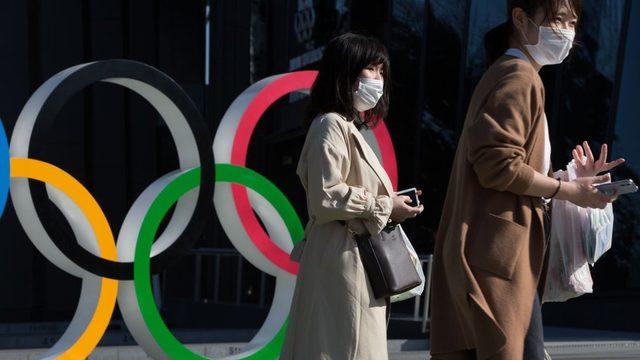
122, 273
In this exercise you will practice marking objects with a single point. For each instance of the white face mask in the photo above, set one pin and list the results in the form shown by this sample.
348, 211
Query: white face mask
553, 45
368, 93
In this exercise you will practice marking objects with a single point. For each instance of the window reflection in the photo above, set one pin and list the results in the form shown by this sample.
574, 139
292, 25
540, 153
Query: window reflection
444, 37
579, 102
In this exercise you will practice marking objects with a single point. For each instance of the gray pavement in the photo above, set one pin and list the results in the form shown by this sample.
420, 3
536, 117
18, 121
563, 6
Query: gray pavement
562, 343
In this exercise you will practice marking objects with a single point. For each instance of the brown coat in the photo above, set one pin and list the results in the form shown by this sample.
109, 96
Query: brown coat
334, 314
490, 247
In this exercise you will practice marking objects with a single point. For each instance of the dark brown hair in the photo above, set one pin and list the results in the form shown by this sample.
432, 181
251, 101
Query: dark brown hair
342, 62
496, 41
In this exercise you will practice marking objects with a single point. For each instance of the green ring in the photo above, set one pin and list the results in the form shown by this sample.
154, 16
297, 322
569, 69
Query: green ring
158, 210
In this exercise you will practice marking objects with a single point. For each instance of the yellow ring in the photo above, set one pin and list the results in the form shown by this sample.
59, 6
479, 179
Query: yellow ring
50, 174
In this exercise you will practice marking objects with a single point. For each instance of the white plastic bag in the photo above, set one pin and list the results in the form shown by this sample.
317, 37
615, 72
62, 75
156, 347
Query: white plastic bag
579, 236
568, 274
598, 232
416, 291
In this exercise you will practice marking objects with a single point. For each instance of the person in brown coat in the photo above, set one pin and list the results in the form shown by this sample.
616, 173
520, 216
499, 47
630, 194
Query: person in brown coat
489, 257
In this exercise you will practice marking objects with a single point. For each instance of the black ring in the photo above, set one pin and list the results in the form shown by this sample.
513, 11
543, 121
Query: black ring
120, 68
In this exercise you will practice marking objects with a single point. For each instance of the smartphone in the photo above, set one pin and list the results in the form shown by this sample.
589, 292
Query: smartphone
622, 187
413, 194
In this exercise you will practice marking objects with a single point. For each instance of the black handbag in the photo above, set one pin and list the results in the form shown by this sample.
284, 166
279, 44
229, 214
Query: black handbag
387, 262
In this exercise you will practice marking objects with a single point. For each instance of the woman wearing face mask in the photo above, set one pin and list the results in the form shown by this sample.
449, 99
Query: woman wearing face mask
334, 314
490, 253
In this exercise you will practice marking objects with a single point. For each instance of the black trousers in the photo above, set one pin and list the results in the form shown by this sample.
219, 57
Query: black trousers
534, 341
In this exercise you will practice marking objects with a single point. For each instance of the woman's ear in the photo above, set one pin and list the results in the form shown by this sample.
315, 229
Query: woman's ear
519, 18
356, 83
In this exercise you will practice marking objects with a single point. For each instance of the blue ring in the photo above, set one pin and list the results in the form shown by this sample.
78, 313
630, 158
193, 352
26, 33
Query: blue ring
4, 169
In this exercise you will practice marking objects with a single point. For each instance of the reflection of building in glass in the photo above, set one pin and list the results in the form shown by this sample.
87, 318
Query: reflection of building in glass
625, 134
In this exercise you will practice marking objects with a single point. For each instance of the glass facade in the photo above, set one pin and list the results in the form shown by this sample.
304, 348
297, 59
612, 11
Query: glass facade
437, 58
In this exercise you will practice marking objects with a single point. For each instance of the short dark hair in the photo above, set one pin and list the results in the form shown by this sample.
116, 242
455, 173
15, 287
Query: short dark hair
344, 58
496, 41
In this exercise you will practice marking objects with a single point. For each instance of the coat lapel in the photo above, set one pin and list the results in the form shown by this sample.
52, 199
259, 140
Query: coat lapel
372, 160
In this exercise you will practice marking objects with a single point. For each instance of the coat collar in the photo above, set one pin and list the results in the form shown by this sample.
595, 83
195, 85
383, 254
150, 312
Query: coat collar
517, 53
372, 159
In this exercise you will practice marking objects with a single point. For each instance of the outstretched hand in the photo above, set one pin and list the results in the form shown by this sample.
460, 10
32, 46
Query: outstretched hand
587, 165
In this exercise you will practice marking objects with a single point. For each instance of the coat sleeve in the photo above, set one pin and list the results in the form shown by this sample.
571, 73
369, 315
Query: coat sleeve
330, 198
499, 132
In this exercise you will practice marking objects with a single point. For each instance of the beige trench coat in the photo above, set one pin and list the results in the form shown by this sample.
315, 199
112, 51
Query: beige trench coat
334, 314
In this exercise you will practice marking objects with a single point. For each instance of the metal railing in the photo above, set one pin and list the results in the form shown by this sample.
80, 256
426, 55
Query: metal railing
426, 294
420, 308
218, 254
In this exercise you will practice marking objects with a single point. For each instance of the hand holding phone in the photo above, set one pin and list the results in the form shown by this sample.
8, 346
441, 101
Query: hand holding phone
403, 209
617, 187
413, 194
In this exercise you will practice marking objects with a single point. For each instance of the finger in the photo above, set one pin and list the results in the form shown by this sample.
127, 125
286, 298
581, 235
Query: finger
581, 158
576, 157
406, 199
419, 192
598, 204
409, 211
614, 197
416, 209
599, 200
580, 153
603, 202
603, 154
613, 164
599, 163
588, 152
601, 179
603, 199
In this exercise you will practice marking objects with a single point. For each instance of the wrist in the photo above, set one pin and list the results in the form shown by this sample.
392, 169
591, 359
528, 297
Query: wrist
566, 190
557, 190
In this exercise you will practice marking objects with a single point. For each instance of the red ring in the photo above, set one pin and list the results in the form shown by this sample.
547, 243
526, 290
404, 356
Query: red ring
285, 84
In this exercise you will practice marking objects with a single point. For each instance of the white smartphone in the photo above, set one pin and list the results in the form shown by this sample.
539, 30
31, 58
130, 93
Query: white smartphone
622, 187
413, 194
